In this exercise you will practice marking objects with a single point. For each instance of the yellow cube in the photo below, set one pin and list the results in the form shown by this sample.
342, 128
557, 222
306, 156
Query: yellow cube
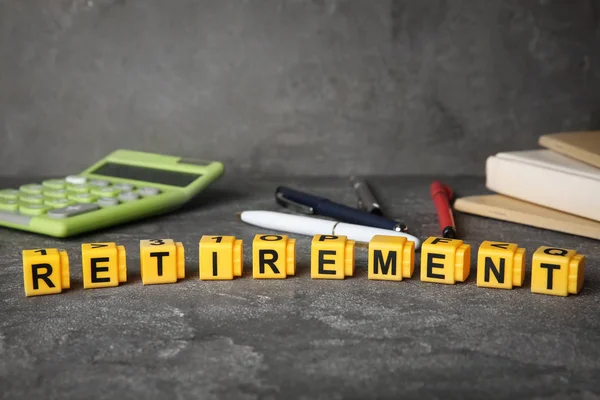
161, 261
556, 271
331, 257
445, 260
273, 257
221, 257
500, 265
45, 271
104, 265
391, 258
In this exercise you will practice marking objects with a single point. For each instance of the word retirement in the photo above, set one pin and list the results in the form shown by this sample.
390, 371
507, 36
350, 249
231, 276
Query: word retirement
554, 271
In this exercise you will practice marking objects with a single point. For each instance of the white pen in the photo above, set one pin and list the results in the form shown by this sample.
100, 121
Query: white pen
315, 226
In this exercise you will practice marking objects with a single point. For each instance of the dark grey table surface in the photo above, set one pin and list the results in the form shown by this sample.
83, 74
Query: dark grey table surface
297, 338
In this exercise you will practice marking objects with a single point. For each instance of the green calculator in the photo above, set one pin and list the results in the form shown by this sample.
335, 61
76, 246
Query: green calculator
124, 186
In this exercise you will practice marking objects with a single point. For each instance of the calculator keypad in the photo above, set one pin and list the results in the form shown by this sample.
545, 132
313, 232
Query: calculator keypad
63, 198
125, 187
76, 179
79, 188
82, 198
56, 193
148, 191
9, 194
107, 201
129, 196
32, 188
33, 199
33, 209
9, 205
58, 203
105, 192
54, 183
72, 210
99, 183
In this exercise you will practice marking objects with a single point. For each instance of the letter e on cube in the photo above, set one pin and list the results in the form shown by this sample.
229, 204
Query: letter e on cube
103, 265
445, 260
331, 257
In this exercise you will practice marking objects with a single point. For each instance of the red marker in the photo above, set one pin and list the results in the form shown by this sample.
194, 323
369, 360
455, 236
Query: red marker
441, 196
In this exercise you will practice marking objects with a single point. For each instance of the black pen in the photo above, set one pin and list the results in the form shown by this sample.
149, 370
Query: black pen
311, 204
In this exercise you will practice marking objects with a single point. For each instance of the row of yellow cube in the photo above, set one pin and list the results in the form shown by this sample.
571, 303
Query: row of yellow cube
554, 271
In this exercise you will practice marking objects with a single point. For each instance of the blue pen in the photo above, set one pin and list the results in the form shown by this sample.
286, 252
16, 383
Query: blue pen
310, 204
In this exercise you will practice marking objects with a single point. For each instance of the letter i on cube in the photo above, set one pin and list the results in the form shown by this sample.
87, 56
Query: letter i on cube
556, 271
45, 271
221, 257
161, 261
103, 264
273, 257
331, 257
391, 258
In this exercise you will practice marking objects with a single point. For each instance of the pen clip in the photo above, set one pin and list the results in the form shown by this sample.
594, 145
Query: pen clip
282, 200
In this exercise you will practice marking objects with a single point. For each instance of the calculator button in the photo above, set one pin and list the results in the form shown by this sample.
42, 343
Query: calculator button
107, 201
54, 183
72, 210
56, 193
33, 198
9, 194
129, 196
14, 218
76, 179
9, 205
148, 191
33, 209
82, 197
126, 187
57, 203
32, 188
79, 188
104, 191
99, 183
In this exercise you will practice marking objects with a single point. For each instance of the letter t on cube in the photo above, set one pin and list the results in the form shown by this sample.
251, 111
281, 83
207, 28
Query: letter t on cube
557, 271
161, 261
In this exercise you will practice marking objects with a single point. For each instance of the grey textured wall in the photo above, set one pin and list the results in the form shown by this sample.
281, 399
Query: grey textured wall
300, 87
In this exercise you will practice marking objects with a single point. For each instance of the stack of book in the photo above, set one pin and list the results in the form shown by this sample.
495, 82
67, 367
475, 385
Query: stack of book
557, 187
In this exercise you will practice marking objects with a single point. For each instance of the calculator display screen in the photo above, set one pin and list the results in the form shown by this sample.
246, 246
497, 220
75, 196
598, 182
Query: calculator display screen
154, 175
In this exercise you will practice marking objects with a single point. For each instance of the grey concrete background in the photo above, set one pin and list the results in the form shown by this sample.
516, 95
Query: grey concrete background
297, 338
295, 87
